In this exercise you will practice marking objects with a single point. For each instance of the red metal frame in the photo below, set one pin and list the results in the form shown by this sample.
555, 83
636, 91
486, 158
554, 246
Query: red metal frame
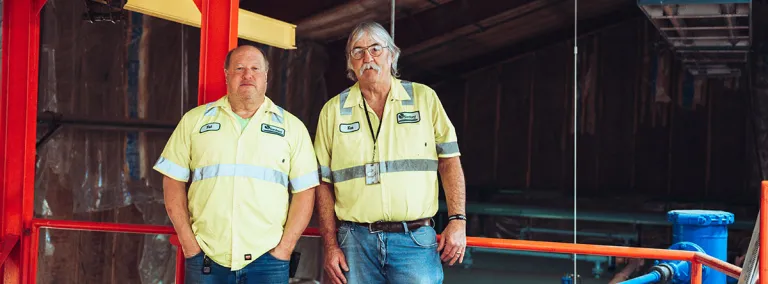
18, 114
696, 259
218, 34
9, 242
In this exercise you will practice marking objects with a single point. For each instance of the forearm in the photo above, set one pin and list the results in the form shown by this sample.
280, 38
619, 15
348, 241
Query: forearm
453, 184
326, 214
175, 194
299, 214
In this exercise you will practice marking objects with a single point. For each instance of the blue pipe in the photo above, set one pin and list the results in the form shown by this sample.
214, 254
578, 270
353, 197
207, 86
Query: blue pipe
707, 229
652, 277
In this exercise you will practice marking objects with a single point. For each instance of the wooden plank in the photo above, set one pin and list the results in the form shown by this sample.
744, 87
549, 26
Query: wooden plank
481, 94
547, 155
516, 83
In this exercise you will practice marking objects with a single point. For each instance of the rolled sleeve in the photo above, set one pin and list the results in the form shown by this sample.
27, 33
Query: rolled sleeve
323, 142
445, 134
175, 159
303, 174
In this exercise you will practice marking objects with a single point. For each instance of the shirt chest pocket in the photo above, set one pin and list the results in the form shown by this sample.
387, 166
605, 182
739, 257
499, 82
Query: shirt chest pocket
269, 150
415, 135
349, 141
212, 141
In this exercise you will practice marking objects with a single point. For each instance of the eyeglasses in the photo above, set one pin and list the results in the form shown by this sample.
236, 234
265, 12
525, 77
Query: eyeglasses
375, 50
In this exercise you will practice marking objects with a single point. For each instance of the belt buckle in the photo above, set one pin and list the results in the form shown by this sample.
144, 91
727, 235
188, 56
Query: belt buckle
370, 228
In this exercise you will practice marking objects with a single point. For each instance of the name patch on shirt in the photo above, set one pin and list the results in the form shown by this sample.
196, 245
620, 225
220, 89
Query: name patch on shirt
349, 127
213, 126
408, 117
271, 129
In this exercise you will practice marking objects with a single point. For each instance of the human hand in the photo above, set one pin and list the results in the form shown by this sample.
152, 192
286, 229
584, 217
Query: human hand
334, 263
453, 242
281, 253
190, 249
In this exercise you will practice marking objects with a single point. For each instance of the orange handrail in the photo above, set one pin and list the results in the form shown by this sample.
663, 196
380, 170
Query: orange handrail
763, 253
696, 259
724, 267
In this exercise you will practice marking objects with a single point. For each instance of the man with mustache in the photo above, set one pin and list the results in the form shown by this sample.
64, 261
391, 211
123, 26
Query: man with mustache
380, 145
246, 156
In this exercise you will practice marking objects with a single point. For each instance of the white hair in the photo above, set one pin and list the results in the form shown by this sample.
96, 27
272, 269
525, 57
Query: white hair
379, 34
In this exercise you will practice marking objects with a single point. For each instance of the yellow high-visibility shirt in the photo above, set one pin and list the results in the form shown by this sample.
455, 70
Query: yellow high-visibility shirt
238, 199
415, 132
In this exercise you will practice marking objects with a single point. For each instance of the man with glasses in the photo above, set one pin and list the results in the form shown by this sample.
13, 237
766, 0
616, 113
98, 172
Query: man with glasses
380, 145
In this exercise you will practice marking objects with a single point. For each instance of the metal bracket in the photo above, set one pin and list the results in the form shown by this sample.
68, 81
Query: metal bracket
53, 127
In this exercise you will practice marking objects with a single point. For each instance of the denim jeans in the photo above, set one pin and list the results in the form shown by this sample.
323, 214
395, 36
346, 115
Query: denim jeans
265, 269
404, 257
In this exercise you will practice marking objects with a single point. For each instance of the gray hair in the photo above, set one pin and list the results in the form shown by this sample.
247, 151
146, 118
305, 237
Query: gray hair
379, 34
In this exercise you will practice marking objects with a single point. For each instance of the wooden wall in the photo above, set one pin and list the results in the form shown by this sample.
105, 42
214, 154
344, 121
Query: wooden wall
515, 124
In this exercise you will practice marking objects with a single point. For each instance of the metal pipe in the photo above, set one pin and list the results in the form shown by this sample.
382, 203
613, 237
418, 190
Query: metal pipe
105, 124
705, 28
724, 267
700, 16
730, 8
590, 258
652, 277
696, 272
180, 259
625, 237
550, 247
392, 21
564, 214
101, 227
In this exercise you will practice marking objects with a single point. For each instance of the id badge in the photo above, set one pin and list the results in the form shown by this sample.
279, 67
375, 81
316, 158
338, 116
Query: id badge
372, 173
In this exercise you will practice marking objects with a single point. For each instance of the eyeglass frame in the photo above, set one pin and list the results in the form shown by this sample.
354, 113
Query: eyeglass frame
368, 50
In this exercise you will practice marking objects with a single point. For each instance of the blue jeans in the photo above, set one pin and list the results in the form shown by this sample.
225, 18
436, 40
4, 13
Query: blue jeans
265, 269
381, 257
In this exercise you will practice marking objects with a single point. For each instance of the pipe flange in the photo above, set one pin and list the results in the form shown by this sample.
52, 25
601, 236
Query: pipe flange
683, 275
666, 271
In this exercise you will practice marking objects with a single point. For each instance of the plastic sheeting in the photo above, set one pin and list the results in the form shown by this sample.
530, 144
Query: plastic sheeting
141, 68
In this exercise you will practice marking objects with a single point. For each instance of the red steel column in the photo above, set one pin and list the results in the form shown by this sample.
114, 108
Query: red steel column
218, 34
18, 115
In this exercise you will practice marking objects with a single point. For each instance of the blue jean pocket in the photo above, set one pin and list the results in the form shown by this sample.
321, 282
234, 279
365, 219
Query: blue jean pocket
342, 233
425, 237
269, 255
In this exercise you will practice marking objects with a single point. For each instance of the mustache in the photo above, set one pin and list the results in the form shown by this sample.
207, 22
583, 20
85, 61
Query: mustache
371, 65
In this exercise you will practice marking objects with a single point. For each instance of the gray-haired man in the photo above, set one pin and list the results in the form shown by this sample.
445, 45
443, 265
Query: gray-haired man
380, 145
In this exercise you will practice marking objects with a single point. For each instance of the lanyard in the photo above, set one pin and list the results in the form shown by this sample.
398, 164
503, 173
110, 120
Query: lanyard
370, 127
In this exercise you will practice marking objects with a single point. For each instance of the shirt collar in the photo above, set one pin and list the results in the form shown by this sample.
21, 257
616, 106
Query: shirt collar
396, 92
270, 106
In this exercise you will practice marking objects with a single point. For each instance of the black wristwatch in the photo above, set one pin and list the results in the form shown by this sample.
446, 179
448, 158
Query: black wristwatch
457, 217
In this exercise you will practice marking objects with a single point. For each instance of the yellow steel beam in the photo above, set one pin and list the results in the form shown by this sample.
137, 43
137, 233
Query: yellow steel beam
250, 26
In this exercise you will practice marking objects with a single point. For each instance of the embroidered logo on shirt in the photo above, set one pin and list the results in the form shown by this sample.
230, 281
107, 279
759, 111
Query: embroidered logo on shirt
271, 129
248, 256
408, 117
349, 127
213, 126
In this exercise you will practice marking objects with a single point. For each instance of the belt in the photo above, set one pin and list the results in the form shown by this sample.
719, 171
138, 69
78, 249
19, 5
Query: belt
395, 227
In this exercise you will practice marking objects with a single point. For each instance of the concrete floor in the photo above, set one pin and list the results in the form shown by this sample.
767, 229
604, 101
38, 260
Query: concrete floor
489, 268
